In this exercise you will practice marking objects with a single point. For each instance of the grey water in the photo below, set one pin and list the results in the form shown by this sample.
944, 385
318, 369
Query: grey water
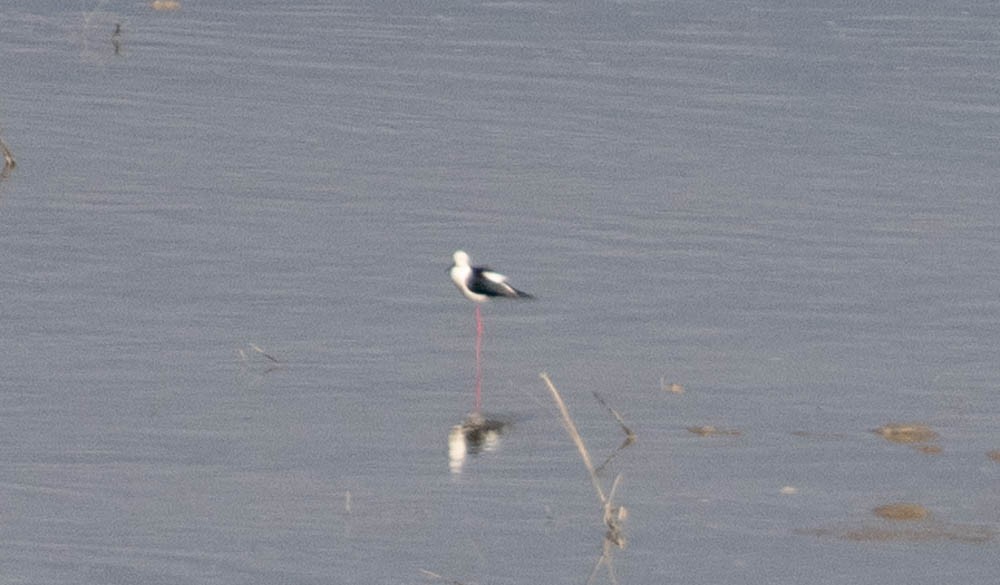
790, 209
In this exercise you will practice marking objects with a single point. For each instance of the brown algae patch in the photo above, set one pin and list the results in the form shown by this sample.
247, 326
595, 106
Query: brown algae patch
929, 449
906, 433
994, 455
908, 522
901, 511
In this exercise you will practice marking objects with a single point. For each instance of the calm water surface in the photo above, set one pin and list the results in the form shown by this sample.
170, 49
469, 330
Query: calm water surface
789, 209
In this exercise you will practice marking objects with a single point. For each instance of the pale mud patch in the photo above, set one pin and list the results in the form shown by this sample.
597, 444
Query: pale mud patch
906, 434
918, 436
710, 431
165, 5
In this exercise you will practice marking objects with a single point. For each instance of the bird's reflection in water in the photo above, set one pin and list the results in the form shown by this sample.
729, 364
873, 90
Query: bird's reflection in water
476, 434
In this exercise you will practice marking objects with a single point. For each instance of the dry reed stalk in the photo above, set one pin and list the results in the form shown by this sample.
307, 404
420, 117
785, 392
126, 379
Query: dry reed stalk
613, 515
575, 435
8, 158
607, 559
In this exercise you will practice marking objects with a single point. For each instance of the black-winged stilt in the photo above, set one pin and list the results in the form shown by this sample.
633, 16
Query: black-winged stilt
480, 284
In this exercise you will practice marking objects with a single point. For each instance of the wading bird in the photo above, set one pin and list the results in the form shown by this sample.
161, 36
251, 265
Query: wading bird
480, 284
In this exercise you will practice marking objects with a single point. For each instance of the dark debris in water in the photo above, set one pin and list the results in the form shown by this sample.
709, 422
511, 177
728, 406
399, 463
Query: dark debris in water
479, 430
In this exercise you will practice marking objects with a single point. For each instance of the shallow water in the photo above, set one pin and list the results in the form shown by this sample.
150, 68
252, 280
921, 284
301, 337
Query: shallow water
789, 210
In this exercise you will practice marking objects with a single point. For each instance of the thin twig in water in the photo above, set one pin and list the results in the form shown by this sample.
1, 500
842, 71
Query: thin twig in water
629, 435
600, 468
264, 353
437, 577
276, 364
116, 38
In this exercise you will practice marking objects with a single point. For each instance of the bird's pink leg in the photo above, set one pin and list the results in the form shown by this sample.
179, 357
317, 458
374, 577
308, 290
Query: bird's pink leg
479, 364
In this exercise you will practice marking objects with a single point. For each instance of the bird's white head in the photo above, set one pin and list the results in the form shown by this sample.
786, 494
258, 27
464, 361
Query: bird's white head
460, 258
